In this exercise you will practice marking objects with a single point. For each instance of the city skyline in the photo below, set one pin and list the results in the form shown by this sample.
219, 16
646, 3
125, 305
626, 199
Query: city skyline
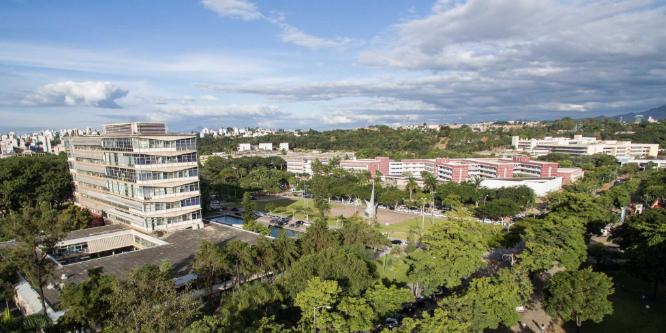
305, 65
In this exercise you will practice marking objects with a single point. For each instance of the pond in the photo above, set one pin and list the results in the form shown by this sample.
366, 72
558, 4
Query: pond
237, 221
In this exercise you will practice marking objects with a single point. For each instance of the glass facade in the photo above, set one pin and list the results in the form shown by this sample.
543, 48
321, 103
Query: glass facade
109, 174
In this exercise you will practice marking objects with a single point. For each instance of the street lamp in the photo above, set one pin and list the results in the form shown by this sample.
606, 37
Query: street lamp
314, 316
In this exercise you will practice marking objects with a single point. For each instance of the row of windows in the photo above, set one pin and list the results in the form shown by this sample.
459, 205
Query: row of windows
142, 159
127, 175
157, 175
117, 143
155, 221
158, 206
149, 192
70, 250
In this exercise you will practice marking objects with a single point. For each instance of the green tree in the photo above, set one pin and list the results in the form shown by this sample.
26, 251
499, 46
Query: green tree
149, 302
499, 209
387, 300
21, 324
411, 186
286, 251
643, 239
248, 208
317, 294
75, 217
240, 258
317, 237
355, 231
353, 314
87, 303
579, 296
252, 301
553, 240
351, 267
490, 301
440, 322
36, 230
429, 182
210, 264
583, 206
27, 181
459, 244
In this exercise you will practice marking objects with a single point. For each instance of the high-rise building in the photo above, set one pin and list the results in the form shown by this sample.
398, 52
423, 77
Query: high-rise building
139, 175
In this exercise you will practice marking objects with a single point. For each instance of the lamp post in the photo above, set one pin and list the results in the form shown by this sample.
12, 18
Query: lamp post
314, 316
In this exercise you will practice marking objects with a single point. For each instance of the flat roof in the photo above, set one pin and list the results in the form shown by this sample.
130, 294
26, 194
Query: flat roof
180, 251
94, 231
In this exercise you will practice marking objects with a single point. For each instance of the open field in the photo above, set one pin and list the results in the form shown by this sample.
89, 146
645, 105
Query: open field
629, 312
396, 224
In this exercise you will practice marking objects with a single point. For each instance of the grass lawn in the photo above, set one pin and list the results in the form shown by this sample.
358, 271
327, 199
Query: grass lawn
401, 230
395, 269
629, 313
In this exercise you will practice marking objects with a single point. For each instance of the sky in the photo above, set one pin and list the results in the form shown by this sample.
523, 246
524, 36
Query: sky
326, 64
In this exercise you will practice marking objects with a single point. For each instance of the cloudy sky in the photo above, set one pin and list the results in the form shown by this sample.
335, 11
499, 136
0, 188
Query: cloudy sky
326, 64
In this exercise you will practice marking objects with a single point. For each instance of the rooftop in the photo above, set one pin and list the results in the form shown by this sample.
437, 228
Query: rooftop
179, 251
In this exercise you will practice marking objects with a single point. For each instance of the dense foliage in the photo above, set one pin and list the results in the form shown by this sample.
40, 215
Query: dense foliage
26, 181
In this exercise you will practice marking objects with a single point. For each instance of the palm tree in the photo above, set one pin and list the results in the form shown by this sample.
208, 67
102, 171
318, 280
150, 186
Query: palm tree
411, 186
266, 256
240, 258
429, 181
286, 251
31, 323
210, 264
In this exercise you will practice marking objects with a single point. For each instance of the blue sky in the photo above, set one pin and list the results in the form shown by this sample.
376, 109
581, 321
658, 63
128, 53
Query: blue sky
326, 64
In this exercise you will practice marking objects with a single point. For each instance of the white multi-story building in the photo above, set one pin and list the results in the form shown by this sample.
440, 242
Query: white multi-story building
265, 146
139, 175
244, 147
284, 146
581, 145
463, 169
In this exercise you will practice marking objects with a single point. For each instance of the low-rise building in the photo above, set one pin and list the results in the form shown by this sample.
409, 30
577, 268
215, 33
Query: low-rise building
540, 186
462, 169
267, 146
244, 147
580, 145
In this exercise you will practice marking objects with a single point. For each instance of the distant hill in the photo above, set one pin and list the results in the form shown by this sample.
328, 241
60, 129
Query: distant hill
656, 113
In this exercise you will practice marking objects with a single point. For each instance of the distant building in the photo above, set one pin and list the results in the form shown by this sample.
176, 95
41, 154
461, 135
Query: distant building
462, 169
644, 163
581, 145
139, 175
284, 146
244, 147
301, 163
540, 186
266, 146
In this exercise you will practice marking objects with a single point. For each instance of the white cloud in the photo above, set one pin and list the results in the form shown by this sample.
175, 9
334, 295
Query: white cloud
248, 111
481, 33
247, 10
207, 65
71, 93
208, 98
242, 9
293, 35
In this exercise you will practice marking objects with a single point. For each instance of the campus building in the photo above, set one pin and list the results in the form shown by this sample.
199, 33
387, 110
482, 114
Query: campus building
139, 175
301, 163
463, 169
581, 145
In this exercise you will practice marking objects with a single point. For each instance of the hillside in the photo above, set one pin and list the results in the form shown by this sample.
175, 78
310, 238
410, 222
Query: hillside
658, 113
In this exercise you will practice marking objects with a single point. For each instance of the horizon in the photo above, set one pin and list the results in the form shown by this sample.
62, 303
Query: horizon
241, 63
